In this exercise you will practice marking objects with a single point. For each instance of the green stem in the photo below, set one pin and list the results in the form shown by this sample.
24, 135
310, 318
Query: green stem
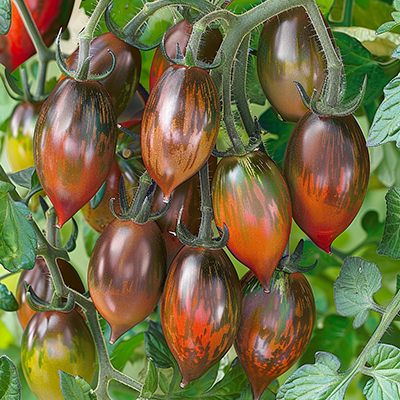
207, 214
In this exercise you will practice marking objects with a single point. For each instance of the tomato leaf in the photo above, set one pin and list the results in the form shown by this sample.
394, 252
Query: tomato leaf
323, 379
157, 349
5, 16
24, 177
124, 350
151, 381
98, 197
163, 382
372, 226
397, 283
389, 245
247, 394
90, 237
7, 299
354, 288
75, 387
10, 385
254, 92
17, 238
384, 361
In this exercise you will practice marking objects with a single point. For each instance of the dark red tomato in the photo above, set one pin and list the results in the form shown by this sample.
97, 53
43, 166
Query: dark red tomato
251, 197
74, 144
180, 126
54, 341
49, 15
327, 169
200, 309
275, 327
124, 80
288, 51
39, 278
126, 273
180, 34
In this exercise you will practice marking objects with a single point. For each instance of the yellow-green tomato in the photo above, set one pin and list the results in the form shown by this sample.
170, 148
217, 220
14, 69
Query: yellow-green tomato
54, 341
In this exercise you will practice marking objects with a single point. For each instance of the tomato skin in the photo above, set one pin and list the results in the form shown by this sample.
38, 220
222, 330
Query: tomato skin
49, 15
288, 52
39, 278
126, 273
123, 82
251, 197
54, 341
200, 309
327, 168
180, 126
74, 144
275, 327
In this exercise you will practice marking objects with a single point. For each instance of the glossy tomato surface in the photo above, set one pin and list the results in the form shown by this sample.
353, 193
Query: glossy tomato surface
288, 51
327, 168
123, 82
200, 309
126, 273
180, 126
49, 15
54, 341
275, 327
251, 197
74, 144
39, 278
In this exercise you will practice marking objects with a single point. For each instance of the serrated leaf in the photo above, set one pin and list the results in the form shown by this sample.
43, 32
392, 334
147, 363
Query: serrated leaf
10, 385
354, 288
5, 16
384, 361
323, 379
158, 351
18, 241
7, 299
150, 382
124, 350
24, 177
98, 197
389, 245
75, 387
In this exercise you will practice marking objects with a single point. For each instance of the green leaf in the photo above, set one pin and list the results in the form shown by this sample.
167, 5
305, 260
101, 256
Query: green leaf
323, 379
124, 350
5, 16
24, 177
98, 197
10, 385
389, 245
385, 163
253, 88
7, 299
151, 381
75, 387
372, 226
247, 394
17, 238
354, 288
397, 283
163, 382
90, 237
158, 351
384, 361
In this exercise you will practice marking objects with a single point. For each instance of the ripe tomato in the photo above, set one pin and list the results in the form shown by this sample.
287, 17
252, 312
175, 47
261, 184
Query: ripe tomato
251, 197
180, 126
287, 52
180, 34
74, 144
275, 327
49, 15
54, 341
39, 278
123, 82
126, 273
200, 309
327, 168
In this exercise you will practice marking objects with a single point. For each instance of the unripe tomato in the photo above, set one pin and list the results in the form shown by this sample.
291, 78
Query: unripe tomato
275, 327
251, 197
126, 273
54, 341
180, 126
200, 309
39, 278
327, 169
74, 144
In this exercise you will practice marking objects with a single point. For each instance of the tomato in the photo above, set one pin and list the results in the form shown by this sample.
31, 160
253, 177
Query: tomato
288, 51
74, 144
180, 126
126, 273
39, 278
251, 197
49, 15
275, 327
180, 34
123, 82
327, 168
54, 341
200, 309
